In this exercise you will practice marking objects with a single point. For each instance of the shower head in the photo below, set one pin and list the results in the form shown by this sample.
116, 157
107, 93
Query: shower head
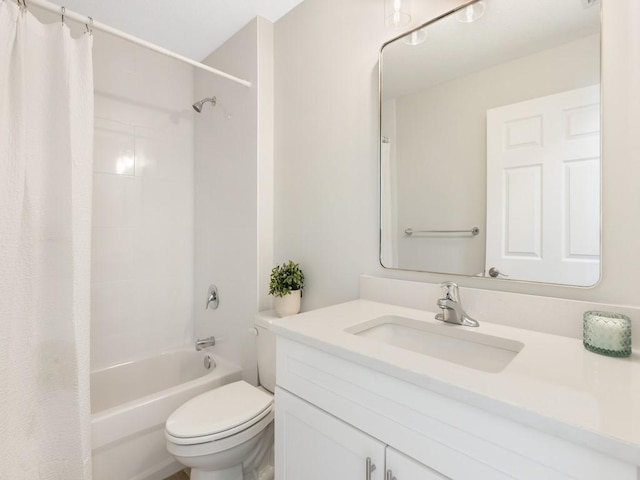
198, 105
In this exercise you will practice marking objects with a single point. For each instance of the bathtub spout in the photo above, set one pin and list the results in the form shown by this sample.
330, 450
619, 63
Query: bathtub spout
205, 342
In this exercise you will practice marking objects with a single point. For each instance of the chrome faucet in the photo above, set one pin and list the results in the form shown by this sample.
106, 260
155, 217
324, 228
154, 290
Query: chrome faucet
452, 311
205, 342
213, 299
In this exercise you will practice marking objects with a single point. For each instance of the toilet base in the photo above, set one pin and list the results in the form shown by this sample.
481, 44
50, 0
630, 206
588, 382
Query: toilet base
233, 473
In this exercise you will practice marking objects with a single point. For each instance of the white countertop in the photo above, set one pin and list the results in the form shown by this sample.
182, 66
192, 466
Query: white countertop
553, 384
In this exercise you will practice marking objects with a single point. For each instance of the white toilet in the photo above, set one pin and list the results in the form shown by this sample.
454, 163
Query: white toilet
229, 430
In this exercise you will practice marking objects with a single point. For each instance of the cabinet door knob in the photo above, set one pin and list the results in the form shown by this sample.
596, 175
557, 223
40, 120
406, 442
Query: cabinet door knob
369, 469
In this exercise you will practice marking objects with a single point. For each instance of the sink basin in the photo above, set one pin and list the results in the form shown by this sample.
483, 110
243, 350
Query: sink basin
443, 341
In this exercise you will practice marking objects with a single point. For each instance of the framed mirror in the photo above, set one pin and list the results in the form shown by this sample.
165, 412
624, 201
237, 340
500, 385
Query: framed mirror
490, 143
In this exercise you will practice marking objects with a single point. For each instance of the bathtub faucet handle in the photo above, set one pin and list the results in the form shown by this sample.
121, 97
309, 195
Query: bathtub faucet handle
205, 342
213, 299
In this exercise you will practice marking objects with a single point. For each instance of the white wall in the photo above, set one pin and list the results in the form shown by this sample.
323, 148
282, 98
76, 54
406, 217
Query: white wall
326, 144
442, 179
142, 238
232, 146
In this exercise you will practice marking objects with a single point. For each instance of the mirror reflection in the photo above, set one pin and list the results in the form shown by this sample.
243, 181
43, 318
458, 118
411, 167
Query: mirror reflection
490, 143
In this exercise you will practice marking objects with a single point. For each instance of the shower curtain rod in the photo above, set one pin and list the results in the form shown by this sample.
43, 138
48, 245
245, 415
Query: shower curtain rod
51, 7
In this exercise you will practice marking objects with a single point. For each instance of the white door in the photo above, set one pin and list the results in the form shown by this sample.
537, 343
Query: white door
543, 188
313, 445
401, 467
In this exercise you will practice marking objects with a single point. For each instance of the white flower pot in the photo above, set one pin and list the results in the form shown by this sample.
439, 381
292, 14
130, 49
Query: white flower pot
287, 305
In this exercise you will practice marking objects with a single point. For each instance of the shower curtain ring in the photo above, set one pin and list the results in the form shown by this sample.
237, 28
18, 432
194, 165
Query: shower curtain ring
62, 10
89, 26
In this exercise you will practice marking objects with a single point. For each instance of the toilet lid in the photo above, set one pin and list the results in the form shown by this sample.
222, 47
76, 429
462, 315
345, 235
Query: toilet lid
223, 409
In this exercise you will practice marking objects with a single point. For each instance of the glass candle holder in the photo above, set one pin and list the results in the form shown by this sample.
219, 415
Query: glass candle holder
607, 333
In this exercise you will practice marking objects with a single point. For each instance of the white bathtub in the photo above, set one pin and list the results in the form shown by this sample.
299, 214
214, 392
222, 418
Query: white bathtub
130, 403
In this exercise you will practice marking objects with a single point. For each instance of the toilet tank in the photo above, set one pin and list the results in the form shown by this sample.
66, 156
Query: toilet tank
266, 342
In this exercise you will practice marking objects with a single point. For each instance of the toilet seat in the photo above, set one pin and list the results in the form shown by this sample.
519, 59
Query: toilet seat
218, 414
221, 445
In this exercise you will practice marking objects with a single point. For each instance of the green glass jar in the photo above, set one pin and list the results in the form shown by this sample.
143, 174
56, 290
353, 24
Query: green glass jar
607, 333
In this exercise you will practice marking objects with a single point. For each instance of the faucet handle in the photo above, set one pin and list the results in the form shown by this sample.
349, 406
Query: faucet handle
213, 299
450, 290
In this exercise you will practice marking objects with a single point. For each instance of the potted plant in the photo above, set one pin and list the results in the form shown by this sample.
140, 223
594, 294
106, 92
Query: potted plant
287, 281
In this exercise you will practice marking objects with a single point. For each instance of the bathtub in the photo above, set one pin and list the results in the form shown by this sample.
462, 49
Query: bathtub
130, 403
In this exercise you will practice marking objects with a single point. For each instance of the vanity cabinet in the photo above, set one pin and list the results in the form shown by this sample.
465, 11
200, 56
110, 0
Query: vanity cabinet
332, 413
401, 467
314, 445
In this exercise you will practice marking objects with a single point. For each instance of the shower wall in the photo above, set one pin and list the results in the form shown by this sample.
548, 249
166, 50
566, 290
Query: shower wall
234, 192
142, 245
180, 200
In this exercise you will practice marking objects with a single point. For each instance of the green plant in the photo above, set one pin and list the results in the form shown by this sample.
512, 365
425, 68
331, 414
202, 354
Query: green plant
285, 278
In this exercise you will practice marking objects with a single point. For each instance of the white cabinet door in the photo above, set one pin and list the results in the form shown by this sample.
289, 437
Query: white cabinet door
543, 188
313, 445
401, 467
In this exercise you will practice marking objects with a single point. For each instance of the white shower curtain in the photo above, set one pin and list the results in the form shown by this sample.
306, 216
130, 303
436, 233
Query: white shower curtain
46, 135
387, 227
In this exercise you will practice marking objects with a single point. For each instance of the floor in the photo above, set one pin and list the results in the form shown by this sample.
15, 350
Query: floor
183, 475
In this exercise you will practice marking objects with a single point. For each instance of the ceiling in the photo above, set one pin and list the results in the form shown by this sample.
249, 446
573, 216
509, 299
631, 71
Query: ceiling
192, 28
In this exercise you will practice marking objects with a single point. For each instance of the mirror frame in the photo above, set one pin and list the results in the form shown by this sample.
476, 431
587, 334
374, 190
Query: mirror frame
380, 137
